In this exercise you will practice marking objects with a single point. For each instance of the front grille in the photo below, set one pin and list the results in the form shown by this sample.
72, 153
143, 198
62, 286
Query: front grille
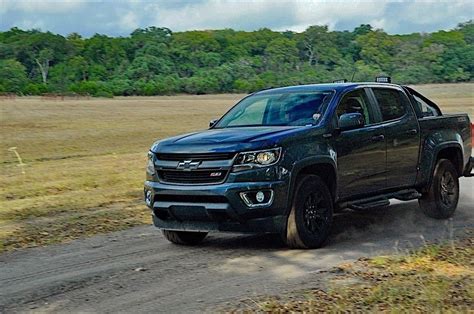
193, 177
204, 156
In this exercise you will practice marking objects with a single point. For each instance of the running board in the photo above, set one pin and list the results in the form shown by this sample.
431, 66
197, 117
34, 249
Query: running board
382, 200
370, 205
407, 195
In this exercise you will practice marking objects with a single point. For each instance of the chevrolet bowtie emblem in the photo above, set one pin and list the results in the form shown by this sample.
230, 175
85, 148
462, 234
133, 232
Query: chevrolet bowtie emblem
188, 165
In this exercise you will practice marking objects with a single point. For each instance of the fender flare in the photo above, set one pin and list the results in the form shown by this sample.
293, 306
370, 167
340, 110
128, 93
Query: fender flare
300, 165
434, 158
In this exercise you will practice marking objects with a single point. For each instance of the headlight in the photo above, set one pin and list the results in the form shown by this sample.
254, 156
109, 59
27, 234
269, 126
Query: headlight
150, 166
259, 158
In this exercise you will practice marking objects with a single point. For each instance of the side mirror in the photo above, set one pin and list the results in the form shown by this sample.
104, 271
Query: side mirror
212, 122
350, 121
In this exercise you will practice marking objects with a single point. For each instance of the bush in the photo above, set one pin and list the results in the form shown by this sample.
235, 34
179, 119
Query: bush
93, 88
250, 85
201, 85
12, 76
104, 94
120, 87
167, 85
35, 89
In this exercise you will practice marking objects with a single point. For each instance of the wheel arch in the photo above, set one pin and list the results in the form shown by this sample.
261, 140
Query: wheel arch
451, 151
454, 154
324, 167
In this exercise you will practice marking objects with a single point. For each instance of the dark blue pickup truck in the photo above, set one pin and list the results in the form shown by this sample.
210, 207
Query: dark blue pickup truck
284, 160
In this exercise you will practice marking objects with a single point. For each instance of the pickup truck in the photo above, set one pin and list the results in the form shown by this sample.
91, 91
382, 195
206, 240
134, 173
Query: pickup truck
284, 160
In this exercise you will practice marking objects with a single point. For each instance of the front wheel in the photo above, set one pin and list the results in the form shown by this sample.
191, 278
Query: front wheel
184, 237
441, 199
310, 219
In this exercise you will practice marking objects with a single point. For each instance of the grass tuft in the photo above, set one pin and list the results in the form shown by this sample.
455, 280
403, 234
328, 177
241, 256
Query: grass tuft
436, 278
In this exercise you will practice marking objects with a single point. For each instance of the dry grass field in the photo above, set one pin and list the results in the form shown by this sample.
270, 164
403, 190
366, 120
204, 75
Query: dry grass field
84, 161
433, 279
452, 98
75, 167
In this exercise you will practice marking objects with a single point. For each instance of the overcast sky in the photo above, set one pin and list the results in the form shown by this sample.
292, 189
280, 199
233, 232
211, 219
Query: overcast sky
120, 18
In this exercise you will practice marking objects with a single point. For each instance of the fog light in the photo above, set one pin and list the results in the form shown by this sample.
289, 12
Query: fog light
257, 198
149, 198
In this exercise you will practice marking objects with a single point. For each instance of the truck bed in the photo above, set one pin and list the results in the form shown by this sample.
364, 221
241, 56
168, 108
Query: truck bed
448, 129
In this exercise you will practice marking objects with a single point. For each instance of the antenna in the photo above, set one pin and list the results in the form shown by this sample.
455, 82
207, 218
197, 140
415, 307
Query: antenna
353, 74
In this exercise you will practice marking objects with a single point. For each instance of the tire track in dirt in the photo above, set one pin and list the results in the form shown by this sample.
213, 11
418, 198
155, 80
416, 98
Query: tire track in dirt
99, 274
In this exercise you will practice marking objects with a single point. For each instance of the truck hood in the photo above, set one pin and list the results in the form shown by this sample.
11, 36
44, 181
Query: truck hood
224, 140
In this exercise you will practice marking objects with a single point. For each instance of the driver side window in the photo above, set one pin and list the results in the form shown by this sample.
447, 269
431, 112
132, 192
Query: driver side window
356, 101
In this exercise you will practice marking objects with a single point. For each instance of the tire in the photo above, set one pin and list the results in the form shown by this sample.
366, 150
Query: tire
441, 199
310, 218
184, 237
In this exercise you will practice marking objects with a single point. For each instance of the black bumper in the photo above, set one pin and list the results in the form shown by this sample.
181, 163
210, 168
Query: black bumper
274, 224
217, 207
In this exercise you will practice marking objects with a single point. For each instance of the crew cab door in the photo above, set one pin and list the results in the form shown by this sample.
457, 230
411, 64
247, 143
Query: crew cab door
402, 135
360, 152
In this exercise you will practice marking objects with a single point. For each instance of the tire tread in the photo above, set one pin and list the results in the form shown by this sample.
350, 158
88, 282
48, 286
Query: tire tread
184, 237
429, 202
292, 236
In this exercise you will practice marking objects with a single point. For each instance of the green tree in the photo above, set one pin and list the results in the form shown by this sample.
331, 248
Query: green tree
43, 61
156, 61
319, 46
12, 76
377, 48
281, 53
146, 67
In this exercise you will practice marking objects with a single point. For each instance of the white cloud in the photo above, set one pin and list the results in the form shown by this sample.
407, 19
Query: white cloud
379, 23
30, 24
129, 21
222, 14
37, 6
122, 17
332, 13
422, 12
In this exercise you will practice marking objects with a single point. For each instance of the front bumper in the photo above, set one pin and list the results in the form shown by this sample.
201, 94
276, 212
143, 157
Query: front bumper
274, 224
217, 207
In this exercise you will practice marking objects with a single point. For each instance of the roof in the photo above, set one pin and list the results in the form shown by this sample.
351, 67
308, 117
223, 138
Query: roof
320, 87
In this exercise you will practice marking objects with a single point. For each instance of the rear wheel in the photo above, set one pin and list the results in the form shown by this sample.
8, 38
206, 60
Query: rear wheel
441, 199
310, 219
184, 237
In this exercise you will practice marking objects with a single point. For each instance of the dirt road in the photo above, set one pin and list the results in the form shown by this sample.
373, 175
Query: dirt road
138, 271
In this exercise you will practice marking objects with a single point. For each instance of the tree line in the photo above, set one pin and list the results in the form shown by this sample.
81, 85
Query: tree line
157, 61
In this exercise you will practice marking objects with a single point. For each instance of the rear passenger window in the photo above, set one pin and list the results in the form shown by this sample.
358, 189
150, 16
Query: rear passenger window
392, 103
426, 109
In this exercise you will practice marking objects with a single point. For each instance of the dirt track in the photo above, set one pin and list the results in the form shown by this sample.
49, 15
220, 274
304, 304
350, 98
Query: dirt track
138, 271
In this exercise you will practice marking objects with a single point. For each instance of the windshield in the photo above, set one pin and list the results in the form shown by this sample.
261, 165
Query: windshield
284, 109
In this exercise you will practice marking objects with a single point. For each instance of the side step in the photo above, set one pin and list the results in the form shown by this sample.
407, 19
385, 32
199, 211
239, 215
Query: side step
370, 205
407, 195
382, 200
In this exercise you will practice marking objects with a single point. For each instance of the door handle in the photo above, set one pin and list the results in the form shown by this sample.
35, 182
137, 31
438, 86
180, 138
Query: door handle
412, 132
377, 138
